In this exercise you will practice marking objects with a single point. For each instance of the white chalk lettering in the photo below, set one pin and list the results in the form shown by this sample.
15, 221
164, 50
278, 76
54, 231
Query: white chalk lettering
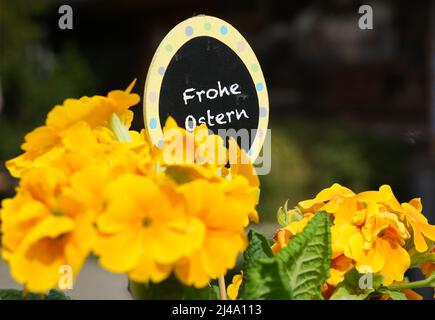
211, 93
215, 119
211, 97
190, 123
234, 87
187, 97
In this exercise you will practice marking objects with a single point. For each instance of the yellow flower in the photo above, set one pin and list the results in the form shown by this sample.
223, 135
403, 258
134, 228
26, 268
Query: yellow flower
243, 195
199, 159
410, 212
41, 233
128, 157
377, 258
420, 226
233, 288
340, 238
339, 267
333, 196
384, 196
368, 231
379, 240
93, 112
283, 235
144, 230
281, 238
224, 236
33, 202
183, 148
249, 187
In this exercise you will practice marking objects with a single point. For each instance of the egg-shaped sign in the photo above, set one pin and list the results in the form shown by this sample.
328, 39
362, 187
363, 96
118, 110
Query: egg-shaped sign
204, 72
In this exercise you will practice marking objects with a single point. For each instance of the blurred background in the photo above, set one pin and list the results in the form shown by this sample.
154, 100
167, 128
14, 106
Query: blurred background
347, 105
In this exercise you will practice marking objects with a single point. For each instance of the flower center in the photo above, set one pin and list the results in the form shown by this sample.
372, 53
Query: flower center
58, 213
146, 222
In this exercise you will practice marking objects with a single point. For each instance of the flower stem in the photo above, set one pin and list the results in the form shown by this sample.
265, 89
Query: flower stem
222, 290
428, 282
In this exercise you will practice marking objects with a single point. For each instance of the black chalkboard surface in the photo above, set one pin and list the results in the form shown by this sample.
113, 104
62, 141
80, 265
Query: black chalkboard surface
204, 72
208, 70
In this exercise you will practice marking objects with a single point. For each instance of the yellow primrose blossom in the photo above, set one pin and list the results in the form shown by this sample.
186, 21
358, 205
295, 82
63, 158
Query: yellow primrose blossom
339, 267
368, 230
328, 199
249, 188
283, 235
238, 181
375, 258
184, 148
280, 239
421, 229
88, 184
94, 112
410, 212
234, 286
144, 229
41, 233
224, 233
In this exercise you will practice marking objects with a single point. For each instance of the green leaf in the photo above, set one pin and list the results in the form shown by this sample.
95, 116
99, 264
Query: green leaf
419, 258
297, 272
343, 293
12, 294
263, 275
350, 287
393, 294
307, 258
258, 248
265, 280
353, 277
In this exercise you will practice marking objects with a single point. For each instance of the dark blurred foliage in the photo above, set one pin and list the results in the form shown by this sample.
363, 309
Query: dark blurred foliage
34, 77
310, 154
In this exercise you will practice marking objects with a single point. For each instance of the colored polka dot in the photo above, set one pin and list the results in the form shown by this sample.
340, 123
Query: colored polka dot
254, 67
259, 86
161, 70
224, 30
153, 123
168, 48
188, 31
207, 26
153, 96
241, 46
263, 111
160, 144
